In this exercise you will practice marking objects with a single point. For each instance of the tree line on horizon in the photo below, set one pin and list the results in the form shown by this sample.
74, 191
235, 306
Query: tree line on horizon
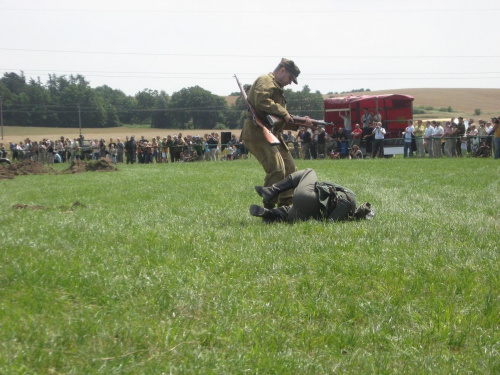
67, 102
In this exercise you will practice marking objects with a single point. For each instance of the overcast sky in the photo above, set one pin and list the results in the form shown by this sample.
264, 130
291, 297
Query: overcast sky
338, 45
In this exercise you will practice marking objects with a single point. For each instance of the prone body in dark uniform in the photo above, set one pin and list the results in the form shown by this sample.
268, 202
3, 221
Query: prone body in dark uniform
311, 200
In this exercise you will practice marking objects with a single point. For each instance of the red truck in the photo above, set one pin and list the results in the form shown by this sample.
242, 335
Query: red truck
395, 110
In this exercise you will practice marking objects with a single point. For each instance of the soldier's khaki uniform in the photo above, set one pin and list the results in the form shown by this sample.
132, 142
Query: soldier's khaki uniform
266, 97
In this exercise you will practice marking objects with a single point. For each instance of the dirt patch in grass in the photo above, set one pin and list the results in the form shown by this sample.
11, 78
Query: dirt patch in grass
99, 165
8, 171
27, 167
5, 172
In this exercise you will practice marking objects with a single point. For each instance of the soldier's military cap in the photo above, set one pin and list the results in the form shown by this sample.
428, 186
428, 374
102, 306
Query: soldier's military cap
291, 67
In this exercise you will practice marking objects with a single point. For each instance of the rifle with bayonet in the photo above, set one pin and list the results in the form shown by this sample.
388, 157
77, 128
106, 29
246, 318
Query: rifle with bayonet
297, 121
270, 137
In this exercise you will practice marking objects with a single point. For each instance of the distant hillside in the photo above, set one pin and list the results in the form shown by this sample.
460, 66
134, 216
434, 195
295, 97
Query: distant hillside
461, 100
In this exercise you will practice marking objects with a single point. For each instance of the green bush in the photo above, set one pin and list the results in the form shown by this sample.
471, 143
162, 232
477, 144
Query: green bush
477, 111
445, 109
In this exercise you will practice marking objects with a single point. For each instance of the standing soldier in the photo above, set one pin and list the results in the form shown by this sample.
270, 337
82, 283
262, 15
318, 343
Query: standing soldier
266, 97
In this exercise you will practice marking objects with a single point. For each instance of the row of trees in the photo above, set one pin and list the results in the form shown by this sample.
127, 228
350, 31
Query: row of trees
66, 101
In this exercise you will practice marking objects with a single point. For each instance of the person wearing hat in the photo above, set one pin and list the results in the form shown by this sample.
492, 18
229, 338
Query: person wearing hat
266, 96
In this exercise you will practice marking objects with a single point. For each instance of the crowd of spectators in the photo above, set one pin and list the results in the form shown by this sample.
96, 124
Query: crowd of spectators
143, 151
455, 139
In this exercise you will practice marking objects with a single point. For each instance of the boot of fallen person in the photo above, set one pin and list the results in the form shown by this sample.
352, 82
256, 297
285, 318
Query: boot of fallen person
268, 193
268, 216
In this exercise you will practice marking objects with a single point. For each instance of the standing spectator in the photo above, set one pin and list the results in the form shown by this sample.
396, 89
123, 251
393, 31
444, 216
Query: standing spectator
314, 144
356, 136
74, 148
171, 146
60, 148
377, 117
489, 134
50, 151
119, 150
102, 148
408, 134
158, 149
217, 149
496, 136
141, 149
472, 137
148, 152
154, 150
113, 152
234, 141
482, 132
347, 119
335, 140
112, 144
459, 134
300, 137
67, 148
296, 146
94, 148
419, 139
448, 144
212, 146
429, 130
368, 138
378, 144
131, 150
322, 144
164, 150
230, 153
437, 135
367, 118
306, 144
343, 142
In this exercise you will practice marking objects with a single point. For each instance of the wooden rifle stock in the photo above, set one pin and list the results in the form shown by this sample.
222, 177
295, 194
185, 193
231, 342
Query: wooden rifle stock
270, 137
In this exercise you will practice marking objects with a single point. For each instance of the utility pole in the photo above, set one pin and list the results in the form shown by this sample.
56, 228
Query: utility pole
79, 119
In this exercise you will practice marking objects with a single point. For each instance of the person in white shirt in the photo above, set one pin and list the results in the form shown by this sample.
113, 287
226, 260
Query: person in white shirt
428, 137
378, 143
347, 119
408, 133
437, 134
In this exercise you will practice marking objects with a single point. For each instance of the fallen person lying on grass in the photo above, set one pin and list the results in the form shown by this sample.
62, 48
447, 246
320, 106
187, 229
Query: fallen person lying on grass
311, 200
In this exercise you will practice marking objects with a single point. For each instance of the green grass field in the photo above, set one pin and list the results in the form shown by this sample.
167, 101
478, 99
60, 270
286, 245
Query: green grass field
163, 270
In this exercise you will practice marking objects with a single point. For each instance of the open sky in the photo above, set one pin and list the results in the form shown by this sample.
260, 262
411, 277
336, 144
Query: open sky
338, 45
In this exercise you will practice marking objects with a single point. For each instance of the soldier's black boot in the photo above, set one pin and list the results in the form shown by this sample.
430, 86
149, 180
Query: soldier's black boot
268, 216
268, 193
259, 211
